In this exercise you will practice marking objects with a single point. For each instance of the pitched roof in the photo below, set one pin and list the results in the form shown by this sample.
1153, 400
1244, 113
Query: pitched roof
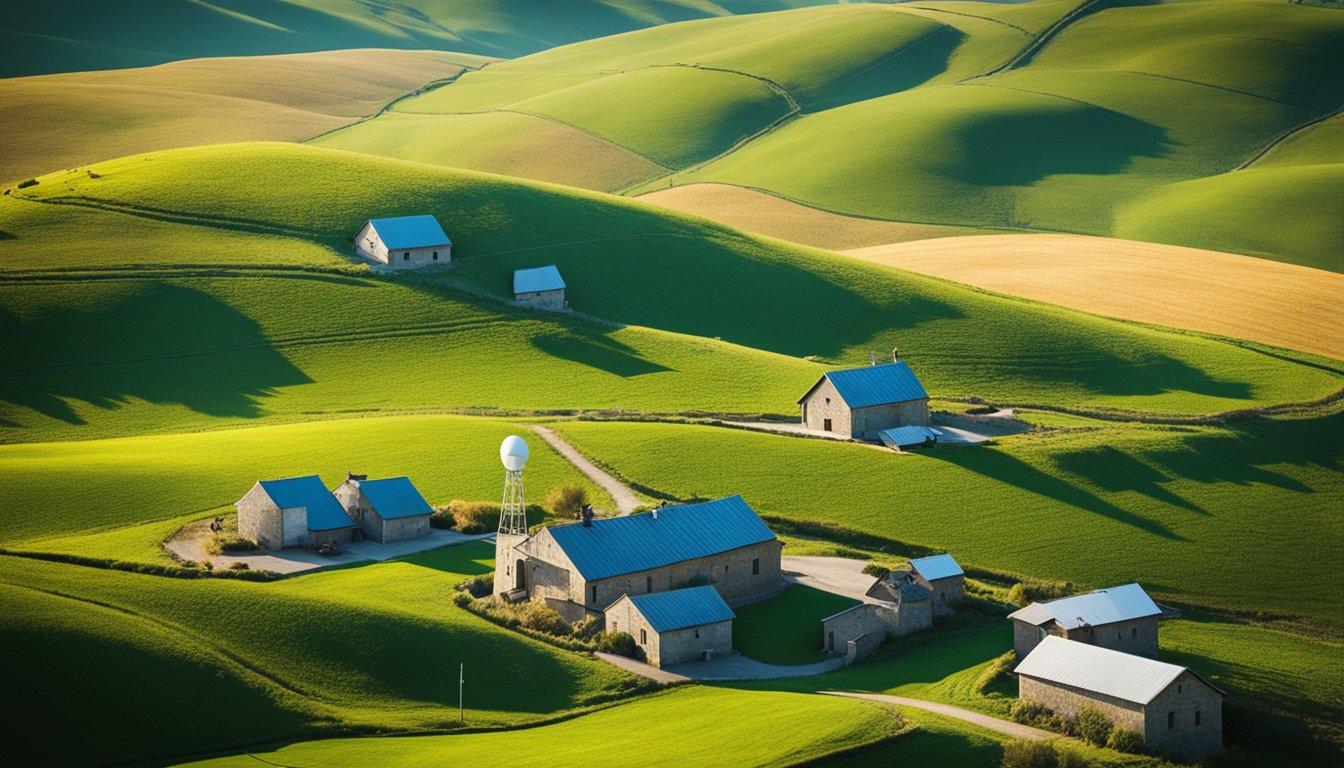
537, 279
324, 511
913, 435
617, 545
874, 385
936, 567
1101, 670
682, 608
410, 232
1104, 606
394, 497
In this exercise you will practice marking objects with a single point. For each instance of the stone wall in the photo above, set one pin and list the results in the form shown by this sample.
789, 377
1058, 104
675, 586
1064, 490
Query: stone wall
1177, 707
740, 575
402, 528
506, 558
867, 422
947, 592
259, 519
1067, 701
1137, 636
672, 647
542, 299
353, 501
825, 403
863, 646
914, 616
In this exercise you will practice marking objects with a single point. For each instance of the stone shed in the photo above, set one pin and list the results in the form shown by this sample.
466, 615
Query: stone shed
942, 576
404, 242
387, 510
860, 403
1173, 708
692, 624
1121, 618
293, 512
904, 607
541, 287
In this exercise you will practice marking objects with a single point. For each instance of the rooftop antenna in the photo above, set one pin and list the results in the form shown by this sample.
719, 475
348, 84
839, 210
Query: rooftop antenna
513, 511
895, 354
872, 357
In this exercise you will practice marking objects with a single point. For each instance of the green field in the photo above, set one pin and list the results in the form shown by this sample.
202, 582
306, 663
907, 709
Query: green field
786, 629
1192, 509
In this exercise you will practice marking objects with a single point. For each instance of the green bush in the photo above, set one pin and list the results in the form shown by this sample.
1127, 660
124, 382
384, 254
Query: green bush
1018, 595
1125, 740
875, 570
621, 644
474, 516
566, 501
478, 586
1031, 713
542, 618
1068, 757
235, 544
239, 567
999, 672
1029, 754
462, 599
588, 629
1092, 726
27, 183
442, 517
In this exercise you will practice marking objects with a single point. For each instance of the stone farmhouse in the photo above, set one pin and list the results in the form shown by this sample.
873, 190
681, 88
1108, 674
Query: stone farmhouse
541, 287
860, 403
293, 512
1173, 708
386, 510
1119, 618
581, 569
939, 574
691, 624
404, 242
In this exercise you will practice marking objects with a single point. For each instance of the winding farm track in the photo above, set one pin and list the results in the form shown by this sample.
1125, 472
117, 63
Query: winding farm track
626, 501
1007, 728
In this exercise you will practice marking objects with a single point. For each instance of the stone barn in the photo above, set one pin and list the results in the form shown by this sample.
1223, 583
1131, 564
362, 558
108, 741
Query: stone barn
582, 568
692, 624
541, 287
387, 510
1174, 709
860, 403
939, 575
904, 607
1120, 618
404, 242
294, 512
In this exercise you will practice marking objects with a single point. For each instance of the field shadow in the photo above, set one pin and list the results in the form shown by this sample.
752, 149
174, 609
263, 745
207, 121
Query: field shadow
159, 343
1017, 147
1013, 471
1114, 471
900, 70
1242, 457
597, 351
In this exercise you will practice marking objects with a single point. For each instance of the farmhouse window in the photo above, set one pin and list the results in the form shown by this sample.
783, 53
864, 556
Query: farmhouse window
406, 256
756, 566
436, 255
697, 634
648, 583
1171, 720
828, 401
826, 424
643, 636
725, 569
615, 627
594, 591
1196, 717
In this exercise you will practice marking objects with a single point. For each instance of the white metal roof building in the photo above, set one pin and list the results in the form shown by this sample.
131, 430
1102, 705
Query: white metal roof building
1119, 675
1122, 618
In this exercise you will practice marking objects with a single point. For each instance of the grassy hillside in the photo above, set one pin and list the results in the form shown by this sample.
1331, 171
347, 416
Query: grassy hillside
87, 34
693, 725
368, 648
1188, 507
270, 208
60, 121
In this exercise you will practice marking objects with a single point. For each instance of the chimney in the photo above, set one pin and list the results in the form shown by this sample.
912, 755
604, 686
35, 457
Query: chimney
655, 513
587, 515
872, 357
895, 354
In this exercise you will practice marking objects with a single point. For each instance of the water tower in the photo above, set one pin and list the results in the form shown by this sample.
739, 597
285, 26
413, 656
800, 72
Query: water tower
510, 571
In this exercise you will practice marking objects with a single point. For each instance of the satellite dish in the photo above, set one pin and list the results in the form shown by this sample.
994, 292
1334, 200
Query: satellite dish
513, 452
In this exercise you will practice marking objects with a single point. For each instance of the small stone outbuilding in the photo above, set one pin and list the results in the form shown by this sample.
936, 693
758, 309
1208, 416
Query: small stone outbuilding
1175, 710
387, 510
541, 287
293, 512
692, 624
904, 607
941, 575
1121, 618
860, 403
404, 242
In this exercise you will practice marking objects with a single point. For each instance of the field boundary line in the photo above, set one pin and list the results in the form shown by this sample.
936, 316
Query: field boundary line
432, 85
904, 6
1260, 153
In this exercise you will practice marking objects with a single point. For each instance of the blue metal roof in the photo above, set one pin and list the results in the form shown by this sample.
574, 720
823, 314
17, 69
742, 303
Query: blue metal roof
410, 232
903, 436
1105, 606
617, 545
682, 608
875, 385
936, 567
324, 511
394, 497
537, 279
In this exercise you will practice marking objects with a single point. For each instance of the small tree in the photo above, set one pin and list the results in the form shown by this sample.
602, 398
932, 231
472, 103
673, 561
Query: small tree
1092, 726
566, 501
1029, 754
1125, 740
621, 644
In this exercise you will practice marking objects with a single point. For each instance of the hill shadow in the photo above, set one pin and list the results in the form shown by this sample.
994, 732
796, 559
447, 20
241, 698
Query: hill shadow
1114, 471
900, 70
597, 351
1242, 457
159, 343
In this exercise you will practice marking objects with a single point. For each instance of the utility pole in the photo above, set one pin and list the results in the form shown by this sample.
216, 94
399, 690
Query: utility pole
461, 713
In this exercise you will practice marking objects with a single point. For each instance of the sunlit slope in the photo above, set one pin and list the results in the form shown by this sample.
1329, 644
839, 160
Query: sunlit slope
366, 648
623, 261
59, 121
88, 34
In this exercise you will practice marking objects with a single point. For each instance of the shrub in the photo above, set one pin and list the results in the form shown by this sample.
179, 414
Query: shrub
235, 544
875, 570
462, 599
27, 183
474, 516
621, 644
1092, 725
478, 586
998, 672
1124, 740
1068, 757
239, 567
588, 629
1018, 595
441, 517
566, 501
1028, 712
208, 565
542, 618
1029, 754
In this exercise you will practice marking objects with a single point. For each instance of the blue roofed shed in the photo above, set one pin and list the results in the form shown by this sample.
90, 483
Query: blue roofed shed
539, 287
390, 509
861, 403
292, 512
906, 437
404, 241
674, 627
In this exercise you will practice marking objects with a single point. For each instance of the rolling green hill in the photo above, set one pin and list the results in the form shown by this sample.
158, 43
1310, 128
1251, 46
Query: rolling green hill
88, 35
252, 258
